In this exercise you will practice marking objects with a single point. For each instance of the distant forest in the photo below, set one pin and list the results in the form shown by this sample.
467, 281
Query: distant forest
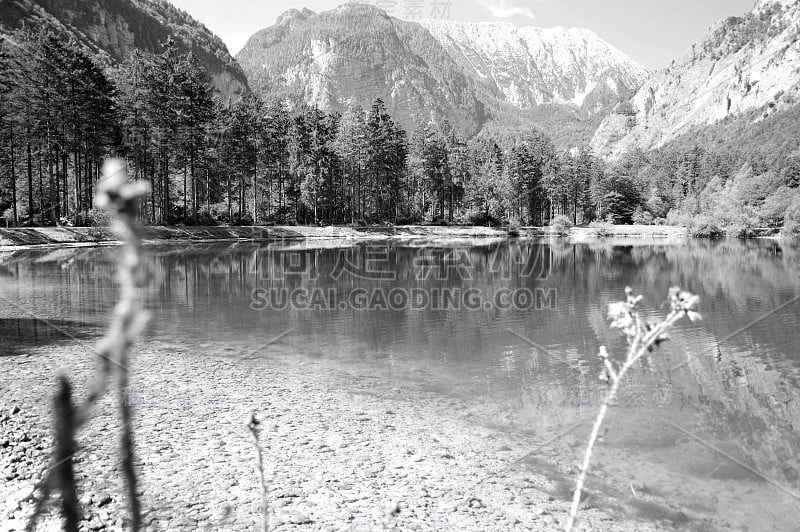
257, 162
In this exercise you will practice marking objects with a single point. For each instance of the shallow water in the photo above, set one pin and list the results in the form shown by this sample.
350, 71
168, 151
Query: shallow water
709, 426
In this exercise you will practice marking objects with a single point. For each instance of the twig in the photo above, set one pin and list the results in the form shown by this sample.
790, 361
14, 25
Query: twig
253, 425
64, 450
119, 196
127, 455
642, 337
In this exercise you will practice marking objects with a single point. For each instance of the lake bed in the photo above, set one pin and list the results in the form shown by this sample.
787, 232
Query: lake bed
698, 429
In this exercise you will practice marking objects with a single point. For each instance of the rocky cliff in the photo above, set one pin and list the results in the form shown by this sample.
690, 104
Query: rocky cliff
354, 54
112, 29
745, 64
562, 80
527, 67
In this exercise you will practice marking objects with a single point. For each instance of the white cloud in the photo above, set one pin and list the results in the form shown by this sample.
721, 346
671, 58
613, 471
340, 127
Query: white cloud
505, 9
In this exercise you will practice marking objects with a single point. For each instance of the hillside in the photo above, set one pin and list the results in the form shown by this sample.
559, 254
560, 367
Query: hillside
563, 81
528, 67
745, 64
354, 54
111, 30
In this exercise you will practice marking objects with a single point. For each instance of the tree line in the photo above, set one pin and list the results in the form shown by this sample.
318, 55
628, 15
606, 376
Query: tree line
212, 160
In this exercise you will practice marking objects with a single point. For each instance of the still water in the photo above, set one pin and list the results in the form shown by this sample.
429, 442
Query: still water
707, 426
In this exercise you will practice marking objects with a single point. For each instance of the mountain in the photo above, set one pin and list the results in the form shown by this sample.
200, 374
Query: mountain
111, 30
561, 80
747, 66
528, 67
355, 53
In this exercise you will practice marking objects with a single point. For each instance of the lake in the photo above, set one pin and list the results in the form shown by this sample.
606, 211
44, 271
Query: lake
511, 329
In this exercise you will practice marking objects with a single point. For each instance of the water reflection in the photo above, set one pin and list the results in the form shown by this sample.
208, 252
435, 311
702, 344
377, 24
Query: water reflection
732, 380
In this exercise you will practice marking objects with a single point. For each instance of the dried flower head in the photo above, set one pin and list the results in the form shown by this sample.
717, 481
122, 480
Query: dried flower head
684, 302
115, 192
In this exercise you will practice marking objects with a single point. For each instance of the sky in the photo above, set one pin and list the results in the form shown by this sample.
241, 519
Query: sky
653, 32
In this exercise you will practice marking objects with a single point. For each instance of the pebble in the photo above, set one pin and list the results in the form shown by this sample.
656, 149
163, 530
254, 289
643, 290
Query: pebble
331, 458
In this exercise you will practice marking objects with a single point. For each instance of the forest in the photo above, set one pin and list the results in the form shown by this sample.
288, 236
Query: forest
252, 161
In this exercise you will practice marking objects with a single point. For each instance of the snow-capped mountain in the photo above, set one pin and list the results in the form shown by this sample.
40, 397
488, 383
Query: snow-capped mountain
527, 67
354, 54
745, 64
468, 73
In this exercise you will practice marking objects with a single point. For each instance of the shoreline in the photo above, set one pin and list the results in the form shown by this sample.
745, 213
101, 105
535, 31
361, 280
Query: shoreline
346, 448
41, 237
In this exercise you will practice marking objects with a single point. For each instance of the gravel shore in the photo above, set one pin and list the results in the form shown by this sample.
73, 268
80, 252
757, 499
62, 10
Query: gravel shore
91, 236
345, 448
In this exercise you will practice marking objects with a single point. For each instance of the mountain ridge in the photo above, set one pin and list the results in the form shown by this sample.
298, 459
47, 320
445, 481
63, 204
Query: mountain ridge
353, 54
529, 66
423, 69
110, 30
744, 63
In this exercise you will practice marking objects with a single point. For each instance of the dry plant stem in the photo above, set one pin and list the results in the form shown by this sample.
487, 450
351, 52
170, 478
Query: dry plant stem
636, 351
128, 319
126, 452
61, 475
119, 196
253, 426
65, 448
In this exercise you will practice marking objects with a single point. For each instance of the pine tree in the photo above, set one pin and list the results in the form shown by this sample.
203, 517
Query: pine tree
7, 139
195, 108
351, 146
387, 158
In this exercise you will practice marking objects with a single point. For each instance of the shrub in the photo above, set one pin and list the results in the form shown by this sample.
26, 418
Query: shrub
704, 227
245, 220
739, 228
407, 220
8, 217
561, 225
791, 222
482, 218
602, 228
93, 218
642, 217
205, 218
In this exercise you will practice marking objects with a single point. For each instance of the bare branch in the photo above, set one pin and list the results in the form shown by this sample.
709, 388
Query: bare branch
253, 425
641, 339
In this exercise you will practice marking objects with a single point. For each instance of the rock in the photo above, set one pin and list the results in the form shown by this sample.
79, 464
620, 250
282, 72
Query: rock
392, 509
300, 518
475, 502
103, 500
280, 503
22, 495
15, 410
288, 493
448, 506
